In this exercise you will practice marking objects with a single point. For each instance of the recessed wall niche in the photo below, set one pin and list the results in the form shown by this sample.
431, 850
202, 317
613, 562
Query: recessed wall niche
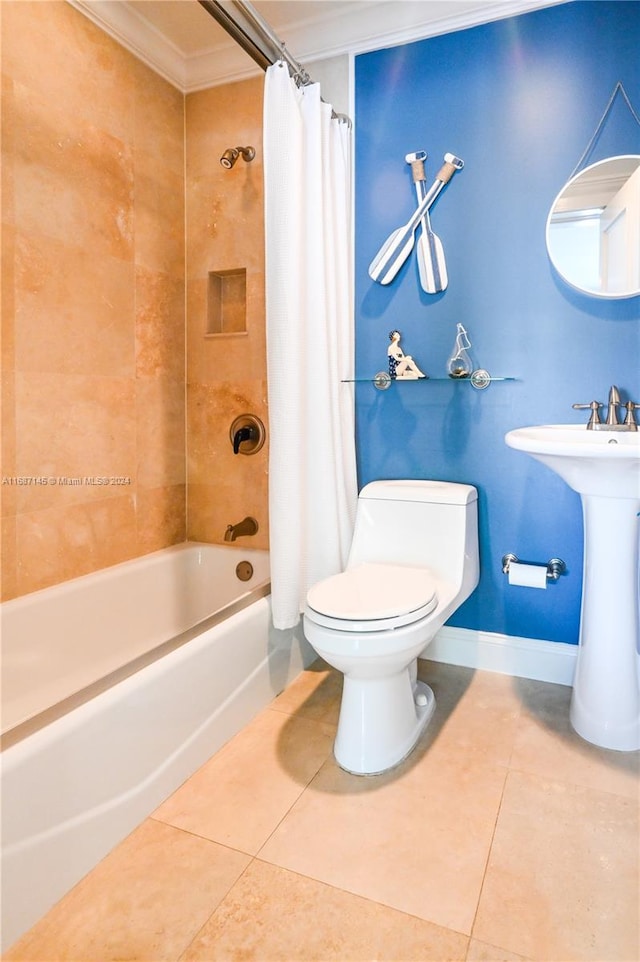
227, 302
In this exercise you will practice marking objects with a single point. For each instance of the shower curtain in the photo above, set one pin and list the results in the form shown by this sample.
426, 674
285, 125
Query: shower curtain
312, 467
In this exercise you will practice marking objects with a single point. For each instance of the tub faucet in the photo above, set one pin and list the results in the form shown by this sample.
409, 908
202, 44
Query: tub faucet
248, 526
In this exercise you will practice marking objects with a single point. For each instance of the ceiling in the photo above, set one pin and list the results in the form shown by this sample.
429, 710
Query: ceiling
183, 43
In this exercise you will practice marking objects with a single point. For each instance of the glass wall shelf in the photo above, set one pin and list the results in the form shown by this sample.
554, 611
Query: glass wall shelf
479, 380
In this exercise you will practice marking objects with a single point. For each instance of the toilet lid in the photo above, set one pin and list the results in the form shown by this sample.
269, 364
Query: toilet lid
369, 592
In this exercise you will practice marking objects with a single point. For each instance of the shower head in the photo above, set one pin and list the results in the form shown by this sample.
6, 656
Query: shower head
231, 154
229, 157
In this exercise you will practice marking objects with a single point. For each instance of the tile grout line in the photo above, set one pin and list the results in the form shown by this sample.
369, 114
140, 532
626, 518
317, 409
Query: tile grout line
525, 715
507, 772
365, 898
218, 906
290, 808
252, 857
312, 878
558, 780
488, 858
301, 717
202, 838
328, 885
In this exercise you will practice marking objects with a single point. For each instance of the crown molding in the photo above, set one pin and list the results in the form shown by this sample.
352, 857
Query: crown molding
372, 25
137, 35
375, 24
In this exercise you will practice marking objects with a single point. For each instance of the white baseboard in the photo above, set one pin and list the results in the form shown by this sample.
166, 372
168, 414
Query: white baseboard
552, 661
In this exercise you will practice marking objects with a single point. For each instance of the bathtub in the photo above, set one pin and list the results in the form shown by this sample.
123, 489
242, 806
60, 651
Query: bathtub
116, 687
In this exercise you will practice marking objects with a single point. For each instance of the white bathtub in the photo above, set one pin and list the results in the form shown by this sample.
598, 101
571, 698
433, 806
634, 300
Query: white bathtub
116, 687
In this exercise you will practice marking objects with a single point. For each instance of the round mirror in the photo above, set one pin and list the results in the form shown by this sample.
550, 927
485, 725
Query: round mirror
593, 229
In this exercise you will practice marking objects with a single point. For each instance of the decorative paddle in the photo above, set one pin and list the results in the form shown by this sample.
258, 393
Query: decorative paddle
432, 266
397, 247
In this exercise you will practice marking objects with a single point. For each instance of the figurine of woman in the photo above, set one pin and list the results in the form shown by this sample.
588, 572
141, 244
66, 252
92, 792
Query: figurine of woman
401, 364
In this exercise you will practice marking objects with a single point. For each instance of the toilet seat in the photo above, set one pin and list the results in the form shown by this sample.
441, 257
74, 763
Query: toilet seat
372, 597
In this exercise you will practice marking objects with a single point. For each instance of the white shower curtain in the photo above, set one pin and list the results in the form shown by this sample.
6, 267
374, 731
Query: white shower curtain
312, 472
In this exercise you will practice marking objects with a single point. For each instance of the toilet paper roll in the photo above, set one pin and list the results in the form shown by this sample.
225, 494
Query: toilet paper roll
527, 576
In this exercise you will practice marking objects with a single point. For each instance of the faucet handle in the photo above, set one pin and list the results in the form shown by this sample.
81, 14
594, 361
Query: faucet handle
594, 407
246, 433
630, 420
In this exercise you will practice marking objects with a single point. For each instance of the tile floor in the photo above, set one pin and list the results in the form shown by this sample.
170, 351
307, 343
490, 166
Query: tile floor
503, 836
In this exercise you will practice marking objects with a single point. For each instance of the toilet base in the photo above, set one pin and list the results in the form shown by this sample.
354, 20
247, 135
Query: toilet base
381, 720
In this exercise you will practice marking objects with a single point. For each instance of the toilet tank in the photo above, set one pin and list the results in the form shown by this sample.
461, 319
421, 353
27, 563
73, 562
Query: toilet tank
432, 523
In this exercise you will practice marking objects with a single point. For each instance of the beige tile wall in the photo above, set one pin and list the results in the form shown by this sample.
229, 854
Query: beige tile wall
93, 300
226, 372
93, 303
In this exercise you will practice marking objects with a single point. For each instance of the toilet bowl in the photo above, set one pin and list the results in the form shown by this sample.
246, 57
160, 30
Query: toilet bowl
413, 561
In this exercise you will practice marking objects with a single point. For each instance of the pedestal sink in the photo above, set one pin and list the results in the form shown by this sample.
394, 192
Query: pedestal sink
604, 468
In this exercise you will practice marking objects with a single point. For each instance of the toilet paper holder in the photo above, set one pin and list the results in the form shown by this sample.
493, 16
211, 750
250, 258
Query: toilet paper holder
555, 567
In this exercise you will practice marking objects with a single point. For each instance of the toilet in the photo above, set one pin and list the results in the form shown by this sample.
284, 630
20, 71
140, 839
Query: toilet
413, 561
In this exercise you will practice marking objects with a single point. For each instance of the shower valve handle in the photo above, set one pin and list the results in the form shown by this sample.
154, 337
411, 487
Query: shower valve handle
247, 433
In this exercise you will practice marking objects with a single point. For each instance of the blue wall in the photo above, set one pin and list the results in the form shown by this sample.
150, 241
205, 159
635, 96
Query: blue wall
519, 101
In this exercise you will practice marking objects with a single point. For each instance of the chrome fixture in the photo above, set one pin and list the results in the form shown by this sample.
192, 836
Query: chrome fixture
247, 434
612, 423
231, 154
555, 567
630, 420
594, 407
612, 407
245, 528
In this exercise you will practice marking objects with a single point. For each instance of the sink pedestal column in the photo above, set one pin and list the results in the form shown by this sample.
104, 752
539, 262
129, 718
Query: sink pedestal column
605, 707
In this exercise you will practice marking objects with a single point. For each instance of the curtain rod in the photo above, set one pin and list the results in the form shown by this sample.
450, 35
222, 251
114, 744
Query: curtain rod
242, 21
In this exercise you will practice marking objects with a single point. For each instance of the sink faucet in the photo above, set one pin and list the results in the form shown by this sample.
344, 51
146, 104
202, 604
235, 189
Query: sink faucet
248, 526
612, 423
612, 407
